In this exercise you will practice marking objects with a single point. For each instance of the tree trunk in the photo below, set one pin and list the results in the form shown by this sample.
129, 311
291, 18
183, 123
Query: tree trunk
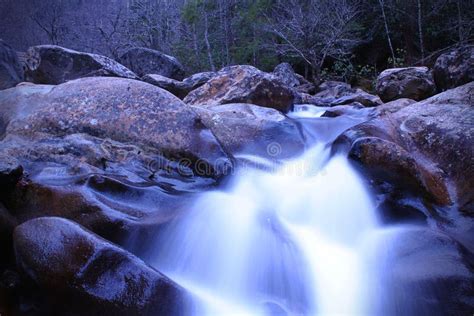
196, 46
316, 73
420, 33
387, 31
460, 31
208, 45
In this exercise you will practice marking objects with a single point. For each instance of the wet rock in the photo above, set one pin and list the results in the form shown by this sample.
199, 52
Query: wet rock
243, 84
197, 80
253, 130
178, 88
126, 111
116, 190
425, 273
49, 64
145, 61
393, 106
11, 72
80, 273
339, 110
425, 147
454, 68
414, 83
334, 93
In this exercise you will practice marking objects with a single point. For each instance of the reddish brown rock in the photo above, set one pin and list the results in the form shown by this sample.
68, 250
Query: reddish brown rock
414, 83
333, 93
454, 68
123, 110
243, 84
78, 272
429, 144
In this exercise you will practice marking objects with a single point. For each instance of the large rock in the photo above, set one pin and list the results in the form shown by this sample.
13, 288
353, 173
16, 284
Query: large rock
414, 83
197, 80
425, 148
421, 272
145, 61
119, 156
11, 72
243, 84
247, 129
49, 64
124, 110
178, 88
454, 68
285, 73
82, 274
333, 93
119, 191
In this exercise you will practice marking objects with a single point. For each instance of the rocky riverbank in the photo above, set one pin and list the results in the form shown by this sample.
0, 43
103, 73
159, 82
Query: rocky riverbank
94, 154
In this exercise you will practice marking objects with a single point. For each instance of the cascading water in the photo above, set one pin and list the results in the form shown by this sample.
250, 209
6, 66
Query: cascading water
287, 241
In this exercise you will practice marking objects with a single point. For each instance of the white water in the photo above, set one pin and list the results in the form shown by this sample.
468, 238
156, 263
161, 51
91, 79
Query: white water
288, 241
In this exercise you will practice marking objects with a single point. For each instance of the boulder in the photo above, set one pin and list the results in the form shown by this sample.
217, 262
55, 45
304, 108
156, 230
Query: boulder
421, 272
197, 80
178, 88
145, 61
119, 191
49, 64
414, 83
80, 273
347, 110
285, 73
393, 106
454, 68
247, 129
11, 72
425, 148
123, 110
243, 84
334, 93
119, 156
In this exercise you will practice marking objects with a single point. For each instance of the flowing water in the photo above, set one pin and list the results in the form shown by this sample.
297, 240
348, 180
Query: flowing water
292, 240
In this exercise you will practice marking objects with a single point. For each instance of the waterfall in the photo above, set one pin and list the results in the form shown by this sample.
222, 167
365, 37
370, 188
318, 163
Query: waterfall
286, 241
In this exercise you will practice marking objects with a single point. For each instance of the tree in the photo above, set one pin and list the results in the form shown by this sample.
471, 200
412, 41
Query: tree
387, 32
50, 17
114, 32
314, 31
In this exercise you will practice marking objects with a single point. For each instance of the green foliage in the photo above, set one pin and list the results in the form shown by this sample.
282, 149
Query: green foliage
400, 58
190, 12
345, 70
